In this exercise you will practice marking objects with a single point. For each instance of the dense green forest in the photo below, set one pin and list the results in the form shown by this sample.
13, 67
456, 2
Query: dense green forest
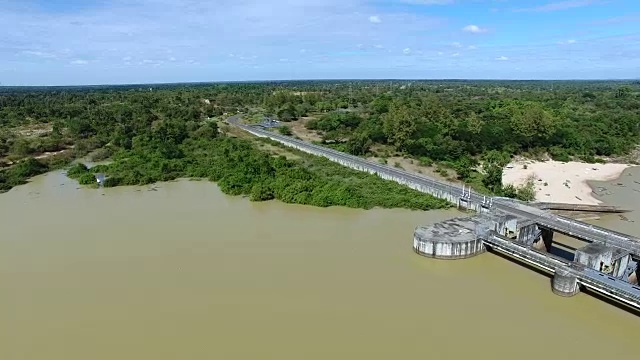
161, 132
463, 125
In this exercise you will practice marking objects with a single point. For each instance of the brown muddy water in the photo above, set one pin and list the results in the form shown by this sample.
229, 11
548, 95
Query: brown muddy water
623, 192
186, 272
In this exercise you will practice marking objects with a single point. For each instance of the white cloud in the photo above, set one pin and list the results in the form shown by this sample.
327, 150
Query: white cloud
502, 58
378, 46
406, 51
440, 53
475, 29
284, 60
455, 54
456, 44
472, 47
172, 59
40, 54
79, 62
568, 42
266, 28
126, 58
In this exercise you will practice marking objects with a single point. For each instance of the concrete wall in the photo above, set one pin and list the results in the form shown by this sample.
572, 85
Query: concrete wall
594, 259
452, 194
620, 266
499, 223
528, 233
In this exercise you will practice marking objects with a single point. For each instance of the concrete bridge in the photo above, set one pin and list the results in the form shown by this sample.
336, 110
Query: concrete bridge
524, 231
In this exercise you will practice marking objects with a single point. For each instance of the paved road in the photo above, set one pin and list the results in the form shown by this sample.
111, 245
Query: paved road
555, 222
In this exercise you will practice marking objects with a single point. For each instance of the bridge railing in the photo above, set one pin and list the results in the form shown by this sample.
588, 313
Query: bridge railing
593, 233
438, 184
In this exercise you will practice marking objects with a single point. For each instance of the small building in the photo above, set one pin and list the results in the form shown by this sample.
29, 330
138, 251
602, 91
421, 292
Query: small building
608, 260
503, 224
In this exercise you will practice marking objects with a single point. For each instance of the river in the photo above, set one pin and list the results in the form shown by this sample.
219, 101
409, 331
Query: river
623, 192
186, 272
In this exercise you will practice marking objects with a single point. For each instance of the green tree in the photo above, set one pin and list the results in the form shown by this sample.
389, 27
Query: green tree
493, 177
400, 125
285, 130
359, 144
287, 113
527, 192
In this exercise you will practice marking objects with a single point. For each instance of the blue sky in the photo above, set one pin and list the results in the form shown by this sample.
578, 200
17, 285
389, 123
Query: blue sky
70, 42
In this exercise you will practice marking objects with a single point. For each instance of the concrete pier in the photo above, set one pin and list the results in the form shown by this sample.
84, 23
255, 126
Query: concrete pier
564, 283
450, 239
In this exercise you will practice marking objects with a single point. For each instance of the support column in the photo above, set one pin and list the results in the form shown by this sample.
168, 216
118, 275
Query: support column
545, 241
634, 277
564, 283
547, 238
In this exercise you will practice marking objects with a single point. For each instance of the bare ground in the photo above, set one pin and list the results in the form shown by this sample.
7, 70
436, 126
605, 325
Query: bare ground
35, 130
298, 129
414, 167
235, 132
49, 154
276, 151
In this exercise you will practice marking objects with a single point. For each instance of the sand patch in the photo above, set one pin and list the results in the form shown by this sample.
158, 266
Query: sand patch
562, 182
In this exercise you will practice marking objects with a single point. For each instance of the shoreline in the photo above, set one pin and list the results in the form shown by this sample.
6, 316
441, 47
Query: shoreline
563, 182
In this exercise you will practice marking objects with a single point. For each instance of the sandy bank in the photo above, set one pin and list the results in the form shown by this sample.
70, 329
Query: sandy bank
561, 182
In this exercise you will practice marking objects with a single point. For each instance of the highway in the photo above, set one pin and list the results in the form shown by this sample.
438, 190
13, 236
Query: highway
552, 221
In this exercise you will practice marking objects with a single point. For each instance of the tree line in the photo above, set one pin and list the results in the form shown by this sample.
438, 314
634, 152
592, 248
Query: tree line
474, 127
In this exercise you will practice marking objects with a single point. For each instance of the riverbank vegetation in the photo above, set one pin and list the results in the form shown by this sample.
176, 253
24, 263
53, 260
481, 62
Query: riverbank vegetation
239, 168
467, 131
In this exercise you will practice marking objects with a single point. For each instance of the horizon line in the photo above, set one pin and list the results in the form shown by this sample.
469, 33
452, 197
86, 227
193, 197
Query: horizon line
324, 79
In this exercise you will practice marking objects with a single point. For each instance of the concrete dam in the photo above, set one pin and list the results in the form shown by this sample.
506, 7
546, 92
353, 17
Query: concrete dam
606, 265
